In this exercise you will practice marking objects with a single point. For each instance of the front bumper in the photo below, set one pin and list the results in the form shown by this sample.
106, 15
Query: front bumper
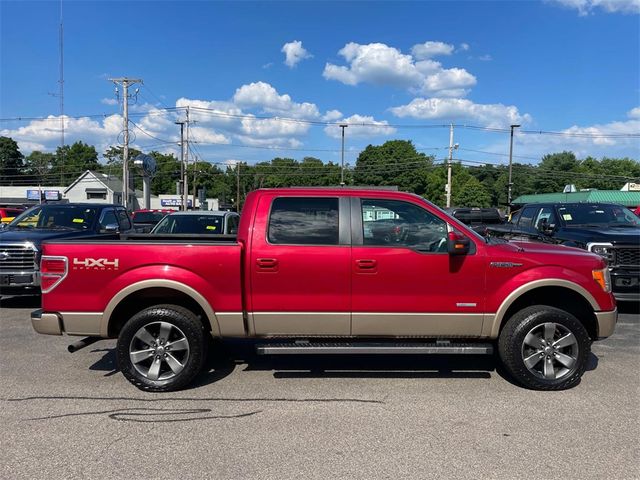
19, 283
606, 323
46, 323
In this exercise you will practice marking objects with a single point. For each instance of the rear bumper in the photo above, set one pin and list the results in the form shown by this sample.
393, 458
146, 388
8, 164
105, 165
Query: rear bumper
606, 323
46, 323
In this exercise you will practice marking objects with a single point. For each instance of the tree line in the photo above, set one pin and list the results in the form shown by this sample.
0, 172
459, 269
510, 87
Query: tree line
394, 163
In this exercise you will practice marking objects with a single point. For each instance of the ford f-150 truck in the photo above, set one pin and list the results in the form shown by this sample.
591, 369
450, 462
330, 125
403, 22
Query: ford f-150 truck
325, 271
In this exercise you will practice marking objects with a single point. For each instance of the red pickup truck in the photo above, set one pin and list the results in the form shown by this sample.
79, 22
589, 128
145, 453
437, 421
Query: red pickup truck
324, 271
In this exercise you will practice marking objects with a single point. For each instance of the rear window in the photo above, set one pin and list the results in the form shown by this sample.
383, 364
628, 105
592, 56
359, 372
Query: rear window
191, 224
148, 217
304, 221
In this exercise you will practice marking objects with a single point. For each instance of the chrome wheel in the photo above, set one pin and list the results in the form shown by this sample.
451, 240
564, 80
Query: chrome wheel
159, 351
550, 351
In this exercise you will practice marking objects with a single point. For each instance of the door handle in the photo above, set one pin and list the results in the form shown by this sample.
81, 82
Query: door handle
366, 265
268, 264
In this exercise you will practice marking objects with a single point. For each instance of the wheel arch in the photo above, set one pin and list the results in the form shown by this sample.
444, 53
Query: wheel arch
559, 293
146, 293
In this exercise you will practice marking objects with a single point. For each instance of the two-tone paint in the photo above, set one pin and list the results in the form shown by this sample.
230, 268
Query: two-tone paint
252, 288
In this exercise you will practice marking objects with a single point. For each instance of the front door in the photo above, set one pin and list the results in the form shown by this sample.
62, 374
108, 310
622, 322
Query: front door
300, 266
404, 282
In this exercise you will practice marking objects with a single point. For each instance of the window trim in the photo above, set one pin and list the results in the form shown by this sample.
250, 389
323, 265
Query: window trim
344, 223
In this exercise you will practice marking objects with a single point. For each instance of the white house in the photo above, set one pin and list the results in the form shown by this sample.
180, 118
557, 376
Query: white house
96, 187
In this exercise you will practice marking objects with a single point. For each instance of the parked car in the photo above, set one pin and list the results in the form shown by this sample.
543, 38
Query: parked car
302, 277
612, 231
7, 214
478, 219
199, 223
21, 240
145, 220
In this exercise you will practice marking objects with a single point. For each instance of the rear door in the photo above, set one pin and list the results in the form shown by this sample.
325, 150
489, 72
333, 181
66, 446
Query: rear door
300, 266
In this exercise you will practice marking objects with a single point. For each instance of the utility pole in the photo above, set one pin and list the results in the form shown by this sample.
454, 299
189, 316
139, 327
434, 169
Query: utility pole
185, 204
342, 126
61, 87
510, 166
181, 162
125, 82
452, 147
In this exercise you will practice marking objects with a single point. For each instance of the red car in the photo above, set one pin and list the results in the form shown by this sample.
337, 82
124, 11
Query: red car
325, 271
9, 213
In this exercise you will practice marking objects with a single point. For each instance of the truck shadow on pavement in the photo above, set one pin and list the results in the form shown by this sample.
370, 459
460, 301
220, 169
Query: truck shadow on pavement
27, 301
224, 359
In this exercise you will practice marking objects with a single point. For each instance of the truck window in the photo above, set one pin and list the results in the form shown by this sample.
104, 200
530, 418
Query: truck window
123, 220
402, 224
526, 218
232, 224
546, 213
303, 221
108, 218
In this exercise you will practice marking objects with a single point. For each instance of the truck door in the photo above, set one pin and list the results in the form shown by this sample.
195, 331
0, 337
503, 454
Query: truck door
404, 280
300, 266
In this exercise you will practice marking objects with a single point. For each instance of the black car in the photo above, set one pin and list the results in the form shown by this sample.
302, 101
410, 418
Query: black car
20, 240
609, 230
479, 219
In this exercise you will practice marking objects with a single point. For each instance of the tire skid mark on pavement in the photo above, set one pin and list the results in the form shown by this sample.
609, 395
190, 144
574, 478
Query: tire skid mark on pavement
172, 415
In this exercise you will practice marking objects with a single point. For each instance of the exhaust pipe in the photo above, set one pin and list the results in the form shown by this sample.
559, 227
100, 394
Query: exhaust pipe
85, 342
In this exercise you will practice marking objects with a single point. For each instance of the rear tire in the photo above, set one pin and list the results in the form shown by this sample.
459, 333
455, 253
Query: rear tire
544, 348
162, 348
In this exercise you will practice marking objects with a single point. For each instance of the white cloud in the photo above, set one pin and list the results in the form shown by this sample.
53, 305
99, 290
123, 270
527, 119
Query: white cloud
491, 115
431, 49
586, 7
634, 113
379, 64
205, 135
332, 115
360, 126
264, 96
109, 101
294, 53
464, 47
485, 58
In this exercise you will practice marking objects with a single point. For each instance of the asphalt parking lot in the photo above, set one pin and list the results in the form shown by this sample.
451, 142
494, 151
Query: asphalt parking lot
68, 415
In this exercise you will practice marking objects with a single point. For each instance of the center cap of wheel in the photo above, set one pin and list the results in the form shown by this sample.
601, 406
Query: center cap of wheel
160, 350
548, 350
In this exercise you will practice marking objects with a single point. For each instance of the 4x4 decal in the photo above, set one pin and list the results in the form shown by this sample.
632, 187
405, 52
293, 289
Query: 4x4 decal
95, 264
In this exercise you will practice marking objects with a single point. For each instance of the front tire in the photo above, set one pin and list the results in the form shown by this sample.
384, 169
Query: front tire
162, 348
544, 348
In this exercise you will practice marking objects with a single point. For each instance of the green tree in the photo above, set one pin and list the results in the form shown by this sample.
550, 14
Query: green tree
11, 162
38, 165
472, 194
72, 160
396, 162
167, 174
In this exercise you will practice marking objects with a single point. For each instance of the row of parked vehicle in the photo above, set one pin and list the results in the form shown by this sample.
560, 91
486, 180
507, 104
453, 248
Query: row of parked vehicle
22, 237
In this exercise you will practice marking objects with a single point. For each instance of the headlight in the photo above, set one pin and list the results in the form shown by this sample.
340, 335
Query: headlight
605, 250
603, 278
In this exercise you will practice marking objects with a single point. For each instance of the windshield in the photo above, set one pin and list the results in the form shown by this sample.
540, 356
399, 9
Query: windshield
77, 217
148, 217
193, 224
606, 215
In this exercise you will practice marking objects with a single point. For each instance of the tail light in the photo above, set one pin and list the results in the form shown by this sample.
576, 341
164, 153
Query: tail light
52, 271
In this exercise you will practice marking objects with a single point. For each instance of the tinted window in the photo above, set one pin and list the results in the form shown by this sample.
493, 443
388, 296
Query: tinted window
109, 218
191, 224
597, 215
546, 216
148, 217
77, 217
304, 221
232, 224
123, 220
402, 224
526, 217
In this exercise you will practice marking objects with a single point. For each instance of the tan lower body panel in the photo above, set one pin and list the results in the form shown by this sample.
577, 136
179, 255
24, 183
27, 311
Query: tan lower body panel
82, 323
606, 323
231, 324
417, 324
301, 323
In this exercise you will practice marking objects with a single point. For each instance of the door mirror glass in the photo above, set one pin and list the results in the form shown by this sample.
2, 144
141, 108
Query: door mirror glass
457, 244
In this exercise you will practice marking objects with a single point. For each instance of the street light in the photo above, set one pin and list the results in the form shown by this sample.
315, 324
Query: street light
510, 166
342, 126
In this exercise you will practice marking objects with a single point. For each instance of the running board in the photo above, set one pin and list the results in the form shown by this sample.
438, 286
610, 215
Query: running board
309, 348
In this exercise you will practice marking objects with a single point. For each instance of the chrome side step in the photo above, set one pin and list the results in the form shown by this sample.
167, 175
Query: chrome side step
348, 348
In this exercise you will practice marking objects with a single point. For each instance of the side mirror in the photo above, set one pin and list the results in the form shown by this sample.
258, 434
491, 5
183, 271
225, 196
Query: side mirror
457, 244
111, 228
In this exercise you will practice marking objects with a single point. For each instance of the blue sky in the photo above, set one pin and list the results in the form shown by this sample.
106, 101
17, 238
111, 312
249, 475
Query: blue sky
568, 66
